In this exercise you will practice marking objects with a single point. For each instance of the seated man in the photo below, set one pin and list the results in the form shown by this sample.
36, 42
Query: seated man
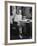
14, 26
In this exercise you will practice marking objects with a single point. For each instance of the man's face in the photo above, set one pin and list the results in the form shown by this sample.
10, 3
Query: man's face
19, 11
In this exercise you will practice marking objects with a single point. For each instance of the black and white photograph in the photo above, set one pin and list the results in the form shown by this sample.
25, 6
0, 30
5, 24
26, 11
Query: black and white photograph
21, 22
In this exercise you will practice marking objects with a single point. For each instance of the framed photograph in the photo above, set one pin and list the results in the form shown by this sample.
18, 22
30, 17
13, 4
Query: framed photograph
20, 22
